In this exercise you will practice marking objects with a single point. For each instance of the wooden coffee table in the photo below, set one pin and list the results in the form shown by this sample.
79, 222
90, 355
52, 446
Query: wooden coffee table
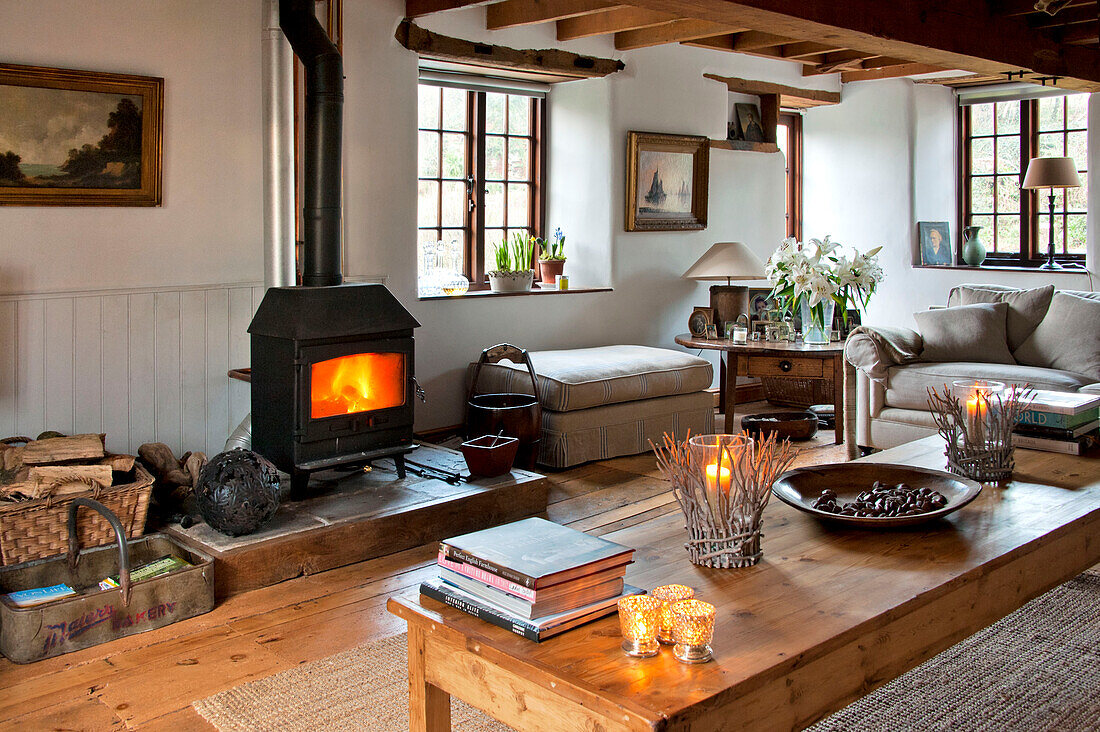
778, 359
828, 615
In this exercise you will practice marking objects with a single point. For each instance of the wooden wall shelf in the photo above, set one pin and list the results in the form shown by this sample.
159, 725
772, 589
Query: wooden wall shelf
790, 97
744, 145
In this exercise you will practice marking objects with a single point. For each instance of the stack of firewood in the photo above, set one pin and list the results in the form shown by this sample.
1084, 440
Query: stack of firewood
54, 465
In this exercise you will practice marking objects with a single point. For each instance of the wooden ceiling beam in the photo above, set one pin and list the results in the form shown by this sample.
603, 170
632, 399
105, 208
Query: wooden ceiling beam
610, 21
673, 32
962, 34
804, 49
1082, 33
417, 8
1069, 16
1027, 7
889, 72
838, 61
513, 13
716, 43
753, 40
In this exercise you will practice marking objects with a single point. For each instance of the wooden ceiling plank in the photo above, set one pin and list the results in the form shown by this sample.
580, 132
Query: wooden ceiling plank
610, 21
962, 34
889, 72
1086, 33
753, 40
417, 8
545, 61
717, 43
1027, 7
838, 61
802, 49
672, 32
514, 13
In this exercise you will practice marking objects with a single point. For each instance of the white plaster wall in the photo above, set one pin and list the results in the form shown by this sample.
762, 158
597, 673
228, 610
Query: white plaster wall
885, 159
208, 229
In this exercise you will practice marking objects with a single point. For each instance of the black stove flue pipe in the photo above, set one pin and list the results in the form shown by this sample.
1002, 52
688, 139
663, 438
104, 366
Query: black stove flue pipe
323, 135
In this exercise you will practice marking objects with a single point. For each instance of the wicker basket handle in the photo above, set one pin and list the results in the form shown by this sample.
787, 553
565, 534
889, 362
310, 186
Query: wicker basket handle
47, 490
120, 537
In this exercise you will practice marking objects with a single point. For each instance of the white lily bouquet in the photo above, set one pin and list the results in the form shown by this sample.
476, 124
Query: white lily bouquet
815, 277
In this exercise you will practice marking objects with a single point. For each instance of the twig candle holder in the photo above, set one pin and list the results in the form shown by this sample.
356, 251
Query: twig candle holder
976, 419
723, 483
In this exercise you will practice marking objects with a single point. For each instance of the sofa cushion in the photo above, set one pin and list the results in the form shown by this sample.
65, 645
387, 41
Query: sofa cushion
909, 384
1026, 308
580, 378
1068, 338
965, 333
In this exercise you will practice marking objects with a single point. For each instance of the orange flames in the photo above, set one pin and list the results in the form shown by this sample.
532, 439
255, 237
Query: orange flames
359, 383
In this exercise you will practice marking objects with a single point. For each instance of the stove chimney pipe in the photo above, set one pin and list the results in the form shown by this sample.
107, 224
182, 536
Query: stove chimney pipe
323, 132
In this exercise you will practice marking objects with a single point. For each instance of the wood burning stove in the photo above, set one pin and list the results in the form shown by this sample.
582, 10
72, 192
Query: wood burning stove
332, 378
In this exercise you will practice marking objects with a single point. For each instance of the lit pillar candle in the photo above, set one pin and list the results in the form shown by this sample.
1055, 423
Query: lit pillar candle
718, 478
975, 397
639, 618
692, 630
669, 594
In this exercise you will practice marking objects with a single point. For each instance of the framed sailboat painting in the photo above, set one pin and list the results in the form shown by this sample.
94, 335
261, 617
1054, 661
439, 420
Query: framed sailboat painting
666, 182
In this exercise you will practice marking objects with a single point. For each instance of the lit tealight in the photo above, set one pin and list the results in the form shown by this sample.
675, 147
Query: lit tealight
669, 594
692, 630
639, 616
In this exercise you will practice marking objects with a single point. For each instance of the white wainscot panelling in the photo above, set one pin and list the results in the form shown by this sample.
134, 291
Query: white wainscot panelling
139, 365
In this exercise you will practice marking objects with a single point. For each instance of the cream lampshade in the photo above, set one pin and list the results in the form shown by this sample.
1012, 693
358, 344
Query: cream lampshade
727, 260
1051, 173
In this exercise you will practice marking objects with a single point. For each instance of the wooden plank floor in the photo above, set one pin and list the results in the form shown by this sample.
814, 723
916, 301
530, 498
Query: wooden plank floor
149, 681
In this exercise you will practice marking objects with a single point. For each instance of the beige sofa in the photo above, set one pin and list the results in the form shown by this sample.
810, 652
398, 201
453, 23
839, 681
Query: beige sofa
1053, 337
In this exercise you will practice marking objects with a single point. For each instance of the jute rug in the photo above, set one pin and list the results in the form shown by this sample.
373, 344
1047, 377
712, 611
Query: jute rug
1034, 670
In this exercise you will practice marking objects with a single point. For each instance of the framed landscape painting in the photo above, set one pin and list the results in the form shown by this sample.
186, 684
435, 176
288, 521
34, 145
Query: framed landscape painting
666, 182
79, 138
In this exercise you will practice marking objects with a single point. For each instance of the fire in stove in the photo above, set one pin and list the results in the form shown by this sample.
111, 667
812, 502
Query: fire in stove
361, 382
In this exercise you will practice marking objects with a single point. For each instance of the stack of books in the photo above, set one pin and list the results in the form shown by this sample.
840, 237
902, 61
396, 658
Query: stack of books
1066, 422
532, 577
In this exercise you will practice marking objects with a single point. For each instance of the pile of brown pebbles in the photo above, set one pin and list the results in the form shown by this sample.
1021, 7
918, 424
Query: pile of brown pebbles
884, 501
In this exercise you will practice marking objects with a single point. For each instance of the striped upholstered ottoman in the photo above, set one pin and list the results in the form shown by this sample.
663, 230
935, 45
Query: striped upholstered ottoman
604, 402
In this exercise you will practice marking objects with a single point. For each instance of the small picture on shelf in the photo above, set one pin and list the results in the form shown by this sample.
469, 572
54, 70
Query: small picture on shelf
712, 332
748, 118
935, 243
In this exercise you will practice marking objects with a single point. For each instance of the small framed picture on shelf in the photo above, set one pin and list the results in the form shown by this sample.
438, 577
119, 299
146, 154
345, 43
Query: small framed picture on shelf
934, 238
712, 332
748, 119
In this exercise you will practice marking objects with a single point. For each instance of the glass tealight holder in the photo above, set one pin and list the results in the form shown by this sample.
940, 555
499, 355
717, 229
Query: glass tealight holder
639, 616
974, 396
669, 594
692, 630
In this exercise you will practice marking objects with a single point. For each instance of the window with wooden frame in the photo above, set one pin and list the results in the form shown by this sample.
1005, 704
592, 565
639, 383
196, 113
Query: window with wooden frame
997, 140
481, 171
788, 136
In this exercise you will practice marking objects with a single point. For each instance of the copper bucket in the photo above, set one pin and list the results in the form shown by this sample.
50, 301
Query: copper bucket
513, 414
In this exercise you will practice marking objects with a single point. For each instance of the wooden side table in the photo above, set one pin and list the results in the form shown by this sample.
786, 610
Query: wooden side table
779, 359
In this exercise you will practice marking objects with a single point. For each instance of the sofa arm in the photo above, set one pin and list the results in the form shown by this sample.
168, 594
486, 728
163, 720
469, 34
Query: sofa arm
874, 350
1091, 388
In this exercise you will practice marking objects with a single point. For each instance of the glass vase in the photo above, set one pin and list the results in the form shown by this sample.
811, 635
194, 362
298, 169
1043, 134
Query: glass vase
817, 321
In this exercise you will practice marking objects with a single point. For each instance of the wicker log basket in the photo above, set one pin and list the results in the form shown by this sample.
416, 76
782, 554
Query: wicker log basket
35, 529
792, 391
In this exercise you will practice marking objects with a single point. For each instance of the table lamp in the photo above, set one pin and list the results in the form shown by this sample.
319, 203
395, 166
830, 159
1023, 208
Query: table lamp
1051, 173
727, 260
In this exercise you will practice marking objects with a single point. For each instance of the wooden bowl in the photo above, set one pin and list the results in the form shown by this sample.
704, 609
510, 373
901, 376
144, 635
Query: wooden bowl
802, 486
790, 425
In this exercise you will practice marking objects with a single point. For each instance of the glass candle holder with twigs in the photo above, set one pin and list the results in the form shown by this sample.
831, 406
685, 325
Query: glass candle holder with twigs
976, 420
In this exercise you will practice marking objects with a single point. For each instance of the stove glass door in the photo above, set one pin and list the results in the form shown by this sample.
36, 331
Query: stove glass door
359, 382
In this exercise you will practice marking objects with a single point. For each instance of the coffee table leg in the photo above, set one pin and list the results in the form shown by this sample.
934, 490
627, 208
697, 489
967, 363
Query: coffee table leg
429, 706
730, 405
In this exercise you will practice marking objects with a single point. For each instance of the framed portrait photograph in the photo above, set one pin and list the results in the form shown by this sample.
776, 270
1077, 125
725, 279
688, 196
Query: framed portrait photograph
666, 182
712, 332
935, 243
79, 138
761, 304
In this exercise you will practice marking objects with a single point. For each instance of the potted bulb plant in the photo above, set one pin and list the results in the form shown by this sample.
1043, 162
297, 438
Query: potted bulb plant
513, 271
551, 257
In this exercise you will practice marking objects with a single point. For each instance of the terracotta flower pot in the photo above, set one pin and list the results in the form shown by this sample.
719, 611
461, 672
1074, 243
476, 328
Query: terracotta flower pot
549, 269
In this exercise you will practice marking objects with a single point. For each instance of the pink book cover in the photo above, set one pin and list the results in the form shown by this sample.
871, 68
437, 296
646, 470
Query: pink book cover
488, 578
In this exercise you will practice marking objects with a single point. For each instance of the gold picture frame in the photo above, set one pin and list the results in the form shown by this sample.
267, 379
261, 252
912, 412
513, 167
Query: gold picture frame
97, 145
672, 200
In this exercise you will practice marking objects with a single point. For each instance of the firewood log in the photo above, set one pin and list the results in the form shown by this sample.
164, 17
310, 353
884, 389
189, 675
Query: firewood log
61, 449
59, 479
119, 463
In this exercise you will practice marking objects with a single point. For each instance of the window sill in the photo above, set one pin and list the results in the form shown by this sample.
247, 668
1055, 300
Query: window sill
1004, 268
477, 294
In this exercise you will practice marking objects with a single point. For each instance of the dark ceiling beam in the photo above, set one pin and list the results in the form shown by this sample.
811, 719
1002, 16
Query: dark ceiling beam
513, 13
417, 8
610, 21
962, 34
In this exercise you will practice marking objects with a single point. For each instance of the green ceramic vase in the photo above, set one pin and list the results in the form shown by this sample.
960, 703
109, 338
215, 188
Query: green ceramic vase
973, 252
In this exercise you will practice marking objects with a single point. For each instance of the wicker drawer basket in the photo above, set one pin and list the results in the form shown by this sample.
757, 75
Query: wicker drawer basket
793, 391
38, 529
